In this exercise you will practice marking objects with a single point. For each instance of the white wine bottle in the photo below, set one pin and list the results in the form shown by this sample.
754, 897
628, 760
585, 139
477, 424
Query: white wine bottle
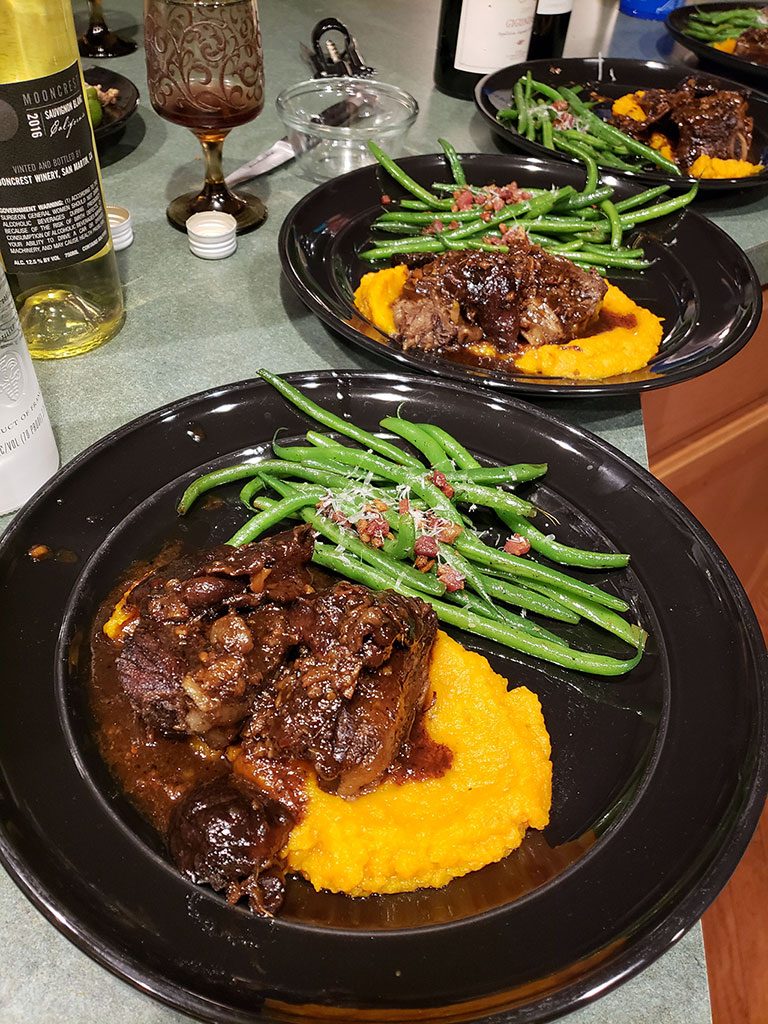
28, 453
54, 235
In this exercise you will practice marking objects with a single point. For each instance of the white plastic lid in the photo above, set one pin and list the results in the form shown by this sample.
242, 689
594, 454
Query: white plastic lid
212, 236
121, 226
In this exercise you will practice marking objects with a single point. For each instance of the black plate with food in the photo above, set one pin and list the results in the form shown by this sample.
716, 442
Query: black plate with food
659, 775
726, 132
709, 304
117, 97
742, 50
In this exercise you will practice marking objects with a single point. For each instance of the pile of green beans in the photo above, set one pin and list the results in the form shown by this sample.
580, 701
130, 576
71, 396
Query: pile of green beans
593, 141
717, 26
587, 227
406, 488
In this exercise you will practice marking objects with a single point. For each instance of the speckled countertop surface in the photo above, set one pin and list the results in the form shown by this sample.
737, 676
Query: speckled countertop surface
193, 324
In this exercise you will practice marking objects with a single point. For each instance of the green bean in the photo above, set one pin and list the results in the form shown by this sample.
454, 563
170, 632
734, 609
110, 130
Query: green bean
641, 198
613, 219
507, 114
502, 632
474, 604
250, 489
614, 162
489, 497
216, 478
477, 551
522, 113
530, 600
603, 617
547, 134
419, 438
586, 157
582, 199
520, 473
601, 250
453, 162
608, 132
397, 570
333, 422
472, 576
405, 180
562, 553
628, 220
552, 225
454, 449
546, 90
397, 228
606, 259
386, 251
266, 520
402, 547
412, 204
590, 140
423, 217
513, 211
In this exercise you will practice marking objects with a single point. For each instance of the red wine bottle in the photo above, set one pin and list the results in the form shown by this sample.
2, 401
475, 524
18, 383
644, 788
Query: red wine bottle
550, 27
479, 36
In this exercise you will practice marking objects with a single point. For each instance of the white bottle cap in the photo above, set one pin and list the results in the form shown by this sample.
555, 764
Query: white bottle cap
121, 226
212, 235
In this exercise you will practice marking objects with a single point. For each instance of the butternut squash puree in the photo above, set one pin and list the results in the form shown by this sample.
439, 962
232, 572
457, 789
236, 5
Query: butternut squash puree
627, 106
607, 354
714, 167
398, 838
377, 293
726, 45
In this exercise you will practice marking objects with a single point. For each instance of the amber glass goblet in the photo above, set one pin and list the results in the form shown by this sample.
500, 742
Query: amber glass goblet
98, 40
205, 71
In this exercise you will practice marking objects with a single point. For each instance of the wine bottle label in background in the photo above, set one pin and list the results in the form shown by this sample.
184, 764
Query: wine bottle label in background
554, 7
493, 34
51, 210
28, 453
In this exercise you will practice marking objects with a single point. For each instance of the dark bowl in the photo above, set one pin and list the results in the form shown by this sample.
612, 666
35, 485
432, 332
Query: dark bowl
615, 76
116, 115
737, 66
659, 776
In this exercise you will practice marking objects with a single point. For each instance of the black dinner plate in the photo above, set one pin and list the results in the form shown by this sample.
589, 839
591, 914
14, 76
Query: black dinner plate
613, 77
659, 776
115, 115
676, 24
700, 282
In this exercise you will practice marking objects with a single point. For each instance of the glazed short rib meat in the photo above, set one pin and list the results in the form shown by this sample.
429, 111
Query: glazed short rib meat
345, 702
210, 630
523, 296
753, 45
243, 648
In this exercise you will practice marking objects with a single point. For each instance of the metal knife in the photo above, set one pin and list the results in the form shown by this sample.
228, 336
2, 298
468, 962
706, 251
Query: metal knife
345, 112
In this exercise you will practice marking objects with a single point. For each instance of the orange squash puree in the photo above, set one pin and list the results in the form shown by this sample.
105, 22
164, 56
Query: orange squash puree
714, 167
627, 106
661, 143
726, 45
620, 349
398, 838
377, 293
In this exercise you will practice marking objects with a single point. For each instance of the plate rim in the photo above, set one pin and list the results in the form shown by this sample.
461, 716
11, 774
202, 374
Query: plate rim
538, 386
577, 993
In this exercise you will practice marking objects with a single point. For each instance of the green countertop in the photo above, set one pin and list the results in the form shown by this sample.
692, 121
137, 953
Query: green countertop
194, 324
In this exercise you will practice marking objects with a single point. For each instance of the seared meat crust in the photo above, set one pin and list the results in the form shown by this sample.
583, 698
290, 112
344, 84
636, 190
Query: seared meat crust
525, 295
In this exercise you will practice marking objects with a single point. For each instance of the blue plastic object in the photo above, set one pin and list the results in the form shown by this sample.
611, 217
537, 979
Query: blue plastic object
652, 10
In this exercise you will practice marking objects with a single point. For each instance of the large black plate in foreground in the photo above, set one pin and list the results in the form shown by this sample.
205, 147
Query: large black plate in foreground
676, 24
613, 77
700, 282
116, 114
659, 776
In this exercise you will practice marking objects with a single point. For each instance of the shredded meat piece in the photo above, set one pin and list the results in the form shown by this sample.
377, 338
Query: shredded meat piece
525, 295
753, 45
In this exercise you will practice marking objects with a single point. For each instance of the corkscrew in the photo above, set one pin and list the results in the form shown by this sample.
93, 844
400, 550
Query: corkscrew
326, 59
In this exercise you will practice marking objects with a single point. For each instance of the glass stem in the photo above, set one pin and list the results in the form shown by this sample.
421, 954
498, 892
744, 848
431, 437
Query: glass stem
215, 191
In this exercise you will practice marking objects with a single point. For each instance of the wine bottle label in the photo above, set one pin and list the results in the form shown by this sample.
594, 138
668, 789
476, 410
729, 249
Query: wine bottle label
493, 33
51, 209
554, 7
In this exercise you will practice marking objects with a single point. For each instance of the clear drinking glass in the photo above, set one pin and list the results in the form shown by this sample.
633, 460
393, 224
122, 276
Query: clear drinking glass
205, 71
98, 40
